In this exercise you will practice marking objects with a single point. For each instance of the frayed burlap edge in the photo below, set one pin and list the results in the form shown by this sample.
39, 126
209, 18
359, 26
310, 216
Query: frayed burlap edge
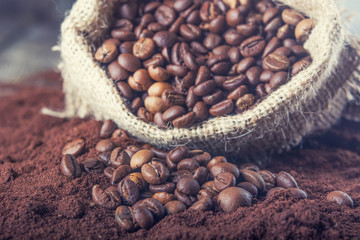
312, 101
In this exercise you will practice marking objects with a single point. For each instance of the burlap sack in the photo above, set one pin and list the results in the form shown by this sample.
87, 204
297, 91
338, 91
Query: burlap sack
312, 101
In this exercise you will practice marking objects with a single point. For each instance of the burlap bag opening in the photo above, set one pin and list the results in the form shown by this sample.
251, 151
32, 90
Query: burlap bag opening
312, 101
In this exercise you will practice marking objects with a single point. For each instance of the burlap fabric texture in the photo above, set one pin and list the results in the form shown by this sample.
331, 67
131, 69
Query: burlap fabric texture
312, 101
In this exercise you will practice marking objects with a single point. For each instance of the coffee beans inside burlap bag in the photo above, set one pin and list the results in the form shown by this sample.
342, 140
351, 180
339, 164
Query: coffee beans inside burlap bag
310, 102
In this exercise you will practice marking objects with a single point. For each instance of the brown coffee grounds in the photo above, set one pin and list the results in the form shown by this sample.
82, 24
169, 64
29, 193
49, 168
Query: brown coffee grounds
37, 202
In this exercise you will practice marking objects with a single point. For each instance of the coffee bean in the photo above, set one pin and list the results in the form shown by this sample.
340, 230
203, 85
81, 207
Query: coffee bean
109, 198
154, 206
129, 192
340, 198
188, 200
108, 171
188, 164
164, 39
285, 180
191, 98
202, 76
106, 53
144, 48
158, 120
205, 88
216, 160
249, 166
190, 61
168, 187
165, 15
107, 128
251, 188
224, 180
204, 204
184, 121
273, 44
140, 81
75, 147
291, 17
209, 11
140, 158
70, 167
303, 29
278, 79
190, 32
232, 37
238, 93
224, 167
245, 102
272, 191
104, 145
269, 178
179, 153
156, 89
269, 14
129, 62
273, 25
164, 197
212, 40
285, 51
201, 174
299, 66
254, 178
174, 207
232, 198
177, 70
284, 32
155, 172
245, 64
252, 46
145, 115
119, 173
213, 98
188, 186
253, 75
172, 113
143, 216
218, 24
154, 104
222, 108
247, 30
298, 193
234, 17
116, 72
92, 165
201, 111
276, 62
156, 61
125, 218
125, 90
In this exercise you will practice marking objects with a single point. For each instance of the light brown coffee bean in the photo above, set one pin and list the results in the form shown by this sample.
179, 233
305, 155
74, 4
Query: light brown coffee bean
303, 29
154, 104
245, 102
254, 178
106, 53
155, 172
291, 16
158, 73
140, 158
143, 48
157, 88
104, 145
164, 197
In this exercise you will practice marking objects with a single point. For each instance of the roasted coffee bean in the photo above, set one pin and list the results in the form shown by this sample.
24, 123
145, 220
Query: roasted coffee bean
272, 191
106, 53
234, 17
109, 198
140, 81
154, 206
205, 193
253, 75
201, 174
190, 32
109, 171
291, 17
269, 178
191, 98
340, 198
222, 108
245, 64
177, 70
172, 113
92, 165
112, 41
249, 166
232, 198
129, 192
179, 153
254, 178
285, 180
273, 44
155, 172
205, 88
247, 30
125, 90
202, 76
129, 62
156, 60
174, 207
188, 200
126, 47
245, 102
224, 167
285, 51
143, 216
303, 29
136, 104
158, 73
265, 76
107, 128
298, 193
151, 6
238, 92
299, 66
164, 39
116, 72
251, 188
232, 37
123, 35
278, 79
145, 115
211, 41
217, 25
154, 104
156, 89
210, 186
216, 160
184, 121
125, 218
188, 186
284, 32
269, 14
75, 147
201, 111
213, 98
234, 55
224, 180
276, 62
252, 46
164, 197
138, 179
144, 48
105, 145
209, 11
119, 173
158, 120
140, 158
165, 15
70, 167
180, 174
168, 187
128, 10
190, 61
273, 25
200, 156
204, 204
299, 51
188, 164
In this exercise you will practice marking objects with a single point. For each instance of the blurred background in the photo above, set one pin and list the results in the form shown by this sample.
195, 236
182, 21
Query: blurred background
29, 29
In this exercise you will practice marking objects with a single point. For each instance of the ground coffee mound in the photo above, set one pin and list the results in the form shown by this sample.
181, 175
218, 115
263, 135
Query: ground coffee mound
36, 201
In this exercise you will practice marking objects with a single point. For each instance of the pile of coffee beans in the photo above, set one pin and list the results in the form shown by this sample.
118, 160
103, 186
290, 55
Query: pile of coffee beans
147, 183
178, 62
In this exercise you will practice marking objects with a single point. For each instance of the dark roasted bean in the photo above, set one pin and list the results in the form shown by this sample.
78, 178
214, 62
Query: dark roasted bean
119, 173
109, 198
174, 207
129, 192
285, 180
75, 147
232, 198
222, 108
92, 165
70, 167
